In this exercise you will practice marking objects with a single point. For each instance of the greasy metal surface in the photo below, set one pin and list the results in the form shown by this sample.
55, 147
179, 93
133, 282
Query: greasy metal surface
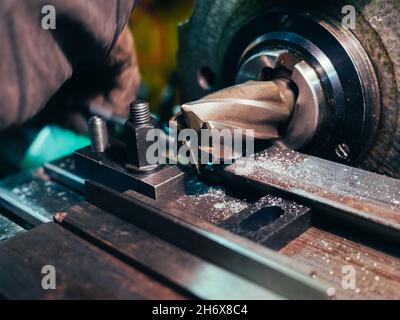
211, 243
33, 198
377, 274
8, 229
347, 191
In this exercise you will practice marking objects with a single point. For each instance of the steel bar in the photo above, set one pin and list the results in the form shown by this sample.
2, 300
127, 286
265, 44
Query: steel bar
338, 191
31, 198
63, 171
171, 265
241, 256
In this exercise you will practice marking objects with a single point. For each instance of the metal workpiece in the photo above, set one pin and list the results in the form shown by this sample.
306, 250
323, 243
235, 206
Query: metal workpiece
98, 134
139, 124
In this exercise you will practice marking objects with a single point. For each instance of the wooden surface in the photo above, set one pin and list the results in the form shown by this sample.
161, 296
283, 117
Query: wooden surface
82, 270
377, 273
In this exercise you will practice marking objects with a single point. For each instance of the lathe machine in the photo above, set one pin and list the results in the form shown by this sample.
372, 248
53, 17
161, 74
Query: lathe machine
316, 217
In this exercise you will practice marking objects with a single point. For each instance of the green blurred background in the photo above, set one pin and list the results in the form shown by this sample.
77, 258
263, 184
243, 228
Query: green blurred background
154, 25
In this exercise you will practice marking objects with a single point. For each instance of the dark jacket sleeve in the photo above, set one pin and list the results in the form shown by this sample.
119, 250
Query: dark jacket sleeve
34, 62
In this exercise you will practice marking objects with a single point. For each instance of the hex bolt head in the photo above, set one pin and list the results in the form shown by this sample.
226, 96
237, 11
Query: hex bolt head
135, 131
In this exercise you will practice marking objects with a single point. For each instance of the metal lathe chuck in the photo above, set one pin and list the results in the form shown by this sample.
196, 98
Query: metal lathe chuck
345, 82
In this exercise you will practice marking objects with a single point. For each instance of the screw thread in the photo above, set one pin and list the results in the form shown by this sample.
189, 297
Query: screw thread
98, 134
139, 113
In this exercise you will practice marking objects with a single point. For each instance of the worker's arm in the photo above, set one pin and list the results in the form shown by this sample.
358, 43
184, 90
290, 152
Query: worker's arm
83, 50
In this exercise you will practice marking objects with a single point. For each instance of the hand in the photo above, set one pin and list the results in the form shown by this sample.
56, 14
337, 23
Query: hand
68, 68
111, 87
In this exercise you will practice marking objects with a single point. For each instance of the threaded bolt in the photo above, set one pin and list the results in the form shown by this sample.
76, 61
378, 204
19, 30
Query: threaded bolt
139, 113
98, 134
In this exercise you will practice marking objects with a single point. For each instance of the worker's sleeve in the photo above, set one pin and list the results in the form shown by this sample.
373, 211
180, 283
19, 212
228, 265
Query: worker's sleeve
35, 61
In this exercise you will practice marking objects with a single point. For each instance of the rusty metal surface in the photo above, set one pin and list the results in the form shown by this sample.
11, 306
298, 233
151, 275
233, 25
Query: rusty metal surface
377, 274
83, 270
348, 192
